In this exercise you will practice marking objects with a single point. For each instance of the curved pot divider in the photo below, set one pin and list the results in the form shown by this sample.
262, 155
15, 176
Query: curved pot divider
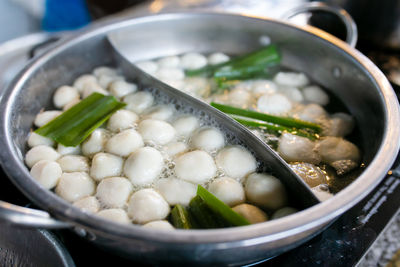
299, 193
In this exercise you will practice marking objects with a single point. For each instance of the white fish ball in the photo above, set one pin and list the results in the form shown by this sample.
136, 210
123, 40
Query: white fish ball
46, 173
138, 102
291, 79
339, 153
240, 98
105, 165
176, 191
114, 192
217, 58
185, 125
74, 186
150, 67
282, 212
246, 84
192, 61
167, 74
105, 80
208, 139
122, 119
265, 191
121, 88
144, 166
71, 104
80, 82
274, 104
199, 86
195, 166
74, 163
115, 215
156, 131
175, 148
161, 112
124, 143
177, 84
315, 94
294, 148
261, 87
236, 161
90, 88
147, 205
313, 113
64, 95
40, 152
159, 225
310, 173
227, 190
251, 213
169, 62
88, 204
68, 150
45, 117
293, 94
95, 142
103, 70
335, 148
341, 125
37, 140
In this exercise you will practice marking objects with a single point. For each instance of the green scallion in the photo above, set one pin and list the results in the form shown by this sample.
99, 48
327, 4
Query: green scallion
222, 212
284, 121
274, 127
180, 217
252, 65
74, 125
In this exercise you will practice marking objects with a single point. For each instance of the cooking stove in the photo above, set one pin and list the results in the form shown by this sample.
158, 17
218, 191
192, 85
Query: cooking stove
343, 243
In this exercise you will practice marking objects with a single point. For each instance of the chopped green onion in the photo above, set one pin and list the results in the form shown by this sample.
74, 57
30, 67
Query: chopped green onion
223, 214
180, 217
284, 121
74, 125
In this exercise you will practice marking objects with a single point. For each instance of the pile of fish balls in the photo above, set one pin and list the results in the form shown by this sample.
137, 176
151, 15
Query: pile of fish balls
147, 158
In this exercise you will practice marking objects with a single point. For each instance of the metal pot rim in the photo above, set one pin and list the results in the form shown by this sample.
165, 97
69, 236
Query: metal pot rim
254, 234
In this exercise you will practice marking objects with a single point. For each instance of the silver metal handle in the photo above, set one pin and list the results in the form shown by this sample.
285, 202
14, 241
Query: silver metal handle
351, 27
29, 217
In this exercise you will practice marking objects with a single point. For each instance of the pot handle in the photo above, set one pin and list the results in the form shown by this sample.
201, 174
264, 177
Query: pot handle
29, 217
351, 27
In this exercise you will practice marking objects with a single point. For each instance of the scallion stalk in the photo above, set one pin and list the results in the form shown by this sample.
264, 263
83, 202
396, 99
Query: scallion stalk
73, 126
204, 217
284, 121
220, 208
180, 217
275, 128
254, 65
251, 65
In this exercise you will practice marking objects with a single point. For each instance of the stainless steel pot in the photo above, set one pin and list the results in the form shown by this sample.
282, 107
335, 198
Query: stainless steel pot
327, 60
